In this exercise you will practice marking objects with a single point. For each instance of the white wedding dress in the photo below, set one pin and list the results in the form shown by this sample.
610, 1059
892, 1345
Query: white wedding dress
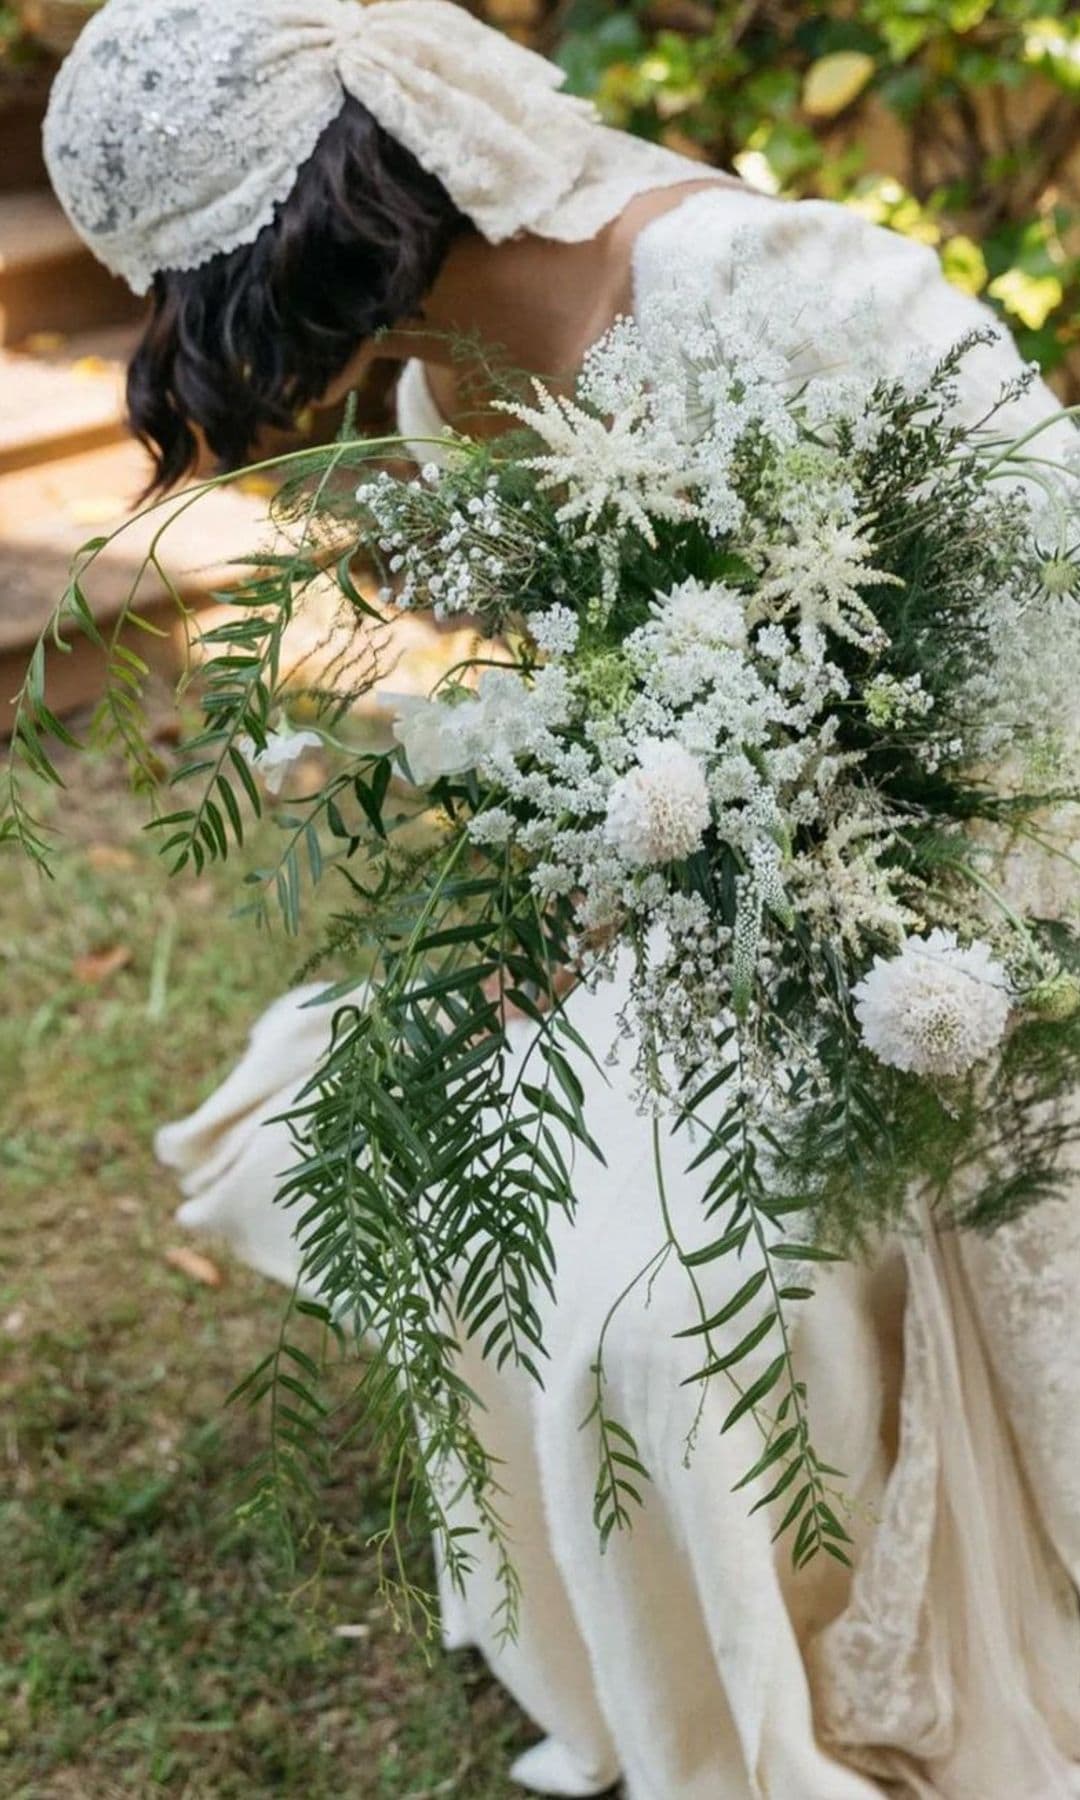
944, 1379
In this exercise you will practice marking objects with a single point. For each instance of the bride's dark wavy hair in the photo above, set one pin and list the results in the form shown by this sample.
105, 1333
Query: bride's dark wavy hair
249, 339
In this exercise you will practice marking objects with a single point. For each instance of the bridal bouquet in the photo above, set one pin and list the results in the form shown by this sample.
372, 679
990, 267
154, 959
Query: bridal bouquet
774, 713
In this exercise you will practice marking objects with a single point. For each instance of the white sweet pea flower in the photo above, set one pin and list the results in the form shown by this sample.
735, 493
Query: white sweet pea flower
283, 749
658, 811
435, 736
937, 1008
446, 736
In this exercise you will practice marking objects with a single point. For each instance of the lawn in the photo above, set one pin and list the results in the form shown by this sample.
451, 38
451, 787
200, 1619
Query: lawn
151, 1636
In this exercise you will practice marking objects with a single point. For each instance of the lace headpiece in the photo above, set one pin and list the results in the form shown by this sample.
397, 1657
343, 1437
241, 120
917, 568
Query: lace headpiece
176, 127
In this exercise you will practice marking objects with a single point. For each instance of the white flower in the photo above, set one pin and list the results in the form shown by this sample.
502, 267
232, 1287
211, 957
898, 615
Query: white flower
506, 714
658, 811
450, 734
435, 736
555, 631
283, 749
700, 613
937, 1008
820, 576
890, 700
606, 465
495, 826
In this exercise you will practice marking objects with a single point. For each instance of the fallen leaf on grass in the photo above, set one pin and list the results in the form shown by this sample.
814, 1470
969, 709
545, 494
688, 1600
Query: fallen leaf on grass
196, 1266
98, 965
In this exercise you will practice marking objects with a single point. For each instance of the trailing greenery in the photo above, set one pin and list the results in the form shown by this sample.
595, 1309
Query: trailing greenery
758, 657
433, 1153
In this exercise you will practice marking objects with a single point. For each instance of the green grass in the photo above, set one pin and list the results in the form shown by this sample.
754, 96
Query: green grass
151, 1637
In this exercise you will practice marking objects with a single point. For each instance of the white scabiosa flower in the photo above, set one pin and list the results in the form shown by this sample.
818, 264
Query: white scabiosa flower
937, 1008
658, 811
281, 751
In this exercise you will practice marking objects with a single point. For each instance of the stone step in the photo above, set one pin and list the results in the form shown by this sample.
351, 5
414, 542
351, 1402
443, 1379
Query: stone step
48, 279
48, 512
62, 395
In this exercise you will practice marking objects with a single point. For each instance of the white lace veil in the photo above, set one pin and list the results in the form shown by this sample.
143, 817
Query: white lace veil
176, 127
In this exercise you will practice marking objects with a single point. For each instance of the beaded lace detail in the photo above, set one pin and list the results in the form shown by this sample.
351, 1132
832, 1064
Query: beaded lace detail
174, 131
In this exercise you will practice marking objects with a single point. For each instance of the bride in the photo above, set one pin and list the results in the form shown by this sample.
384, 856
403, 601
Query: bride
290, 178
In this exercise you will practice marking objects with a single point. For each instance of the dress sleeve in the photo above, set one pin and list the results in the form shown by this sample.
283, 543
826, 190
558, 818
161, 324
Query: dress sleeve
819, 245
418, 417
917, 305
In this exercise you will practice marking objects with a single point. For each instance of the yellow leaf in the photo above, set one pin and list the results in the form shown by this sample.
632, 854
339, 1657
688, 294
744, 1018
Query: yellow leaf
91, 366
262, 487
833, 82
965, 264
1030, 298
883, 201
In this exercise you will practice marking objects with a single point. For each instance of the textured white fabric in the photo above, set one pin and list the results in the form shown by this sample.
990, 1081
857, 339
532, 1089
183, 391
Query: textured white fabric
418, 418
548, 1768
942, 1380
223, 1148
176, 129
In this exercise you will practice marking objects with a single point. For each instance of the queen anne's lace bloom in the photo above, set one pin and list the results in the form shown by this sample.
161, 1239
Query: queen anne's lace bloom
555, 631
937, 1008
659, 810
